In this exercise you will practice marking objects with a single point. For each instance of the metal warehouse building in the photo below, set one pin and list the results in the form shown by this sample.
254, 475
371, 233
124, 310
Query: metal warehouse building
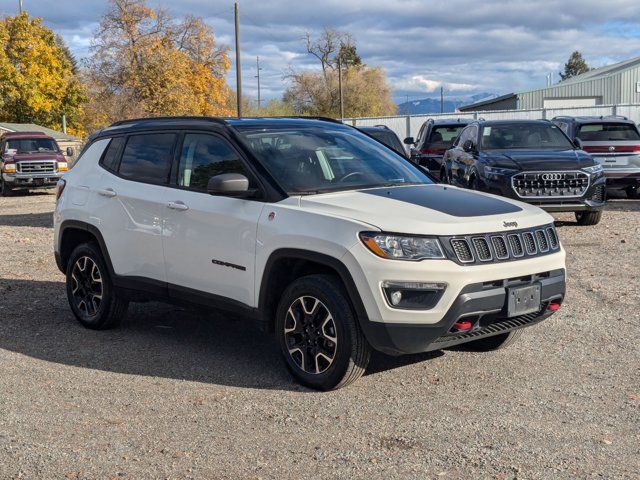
611, 85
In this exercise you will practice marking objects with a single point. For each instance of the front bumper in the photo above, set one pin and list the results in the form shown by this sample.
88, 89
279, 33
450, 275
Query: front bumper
593, 199
29, 180
482, 304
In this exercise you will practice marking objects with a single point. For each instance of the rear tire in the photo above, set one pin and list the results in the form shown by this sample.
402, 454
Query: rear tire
319, 335
633, 191
90, 291
588, 218
496, 342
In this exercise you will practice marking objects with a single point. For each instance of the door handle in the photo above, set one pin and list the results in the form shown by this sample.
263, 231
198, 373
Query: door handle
107, 192
178, 205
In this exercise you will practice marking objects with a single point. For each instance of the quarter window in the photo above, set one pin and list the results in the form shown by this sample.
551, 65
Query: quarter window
204, 156
110, 158
147, 158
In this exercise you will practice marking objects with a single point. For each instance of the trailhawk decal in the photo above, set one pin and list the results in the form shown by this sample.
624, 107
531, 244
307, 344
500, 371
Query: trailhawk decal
459, 203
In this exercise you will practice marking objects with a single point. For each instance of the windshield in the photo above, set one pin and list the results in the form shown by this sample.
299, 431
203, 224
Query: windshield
530, 136
604, 132
444, 136
388, 138
313, 159
31, 145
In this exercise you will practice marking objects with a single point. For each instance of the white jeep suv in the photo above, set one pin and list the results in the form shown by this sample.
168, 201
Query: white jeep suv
325, 236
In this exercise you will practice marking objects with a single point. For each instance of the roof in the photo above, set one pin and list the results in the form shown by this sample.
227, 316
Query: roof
511, 122
32, 127
601, 72
451, 121
488, 101
25, 135
601, 119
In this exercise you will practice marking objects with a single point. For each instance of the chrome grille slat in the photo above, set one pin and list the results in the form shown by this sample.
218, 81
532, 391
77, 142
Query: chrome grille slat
482, 249
500, 247
543, 243
463, 250
36, 167
529, 243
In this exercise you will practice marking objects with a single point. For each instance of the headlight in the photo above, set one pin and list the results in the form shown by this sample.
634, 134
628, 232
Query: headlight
63, 166
9, 168
597, 168
400, 247
493, 171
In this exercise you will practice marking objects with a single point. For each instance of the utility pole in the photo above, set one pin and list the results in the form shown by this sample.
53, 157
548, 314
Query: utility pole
238, 67
258, 77
441, 99
20, 5
340, 87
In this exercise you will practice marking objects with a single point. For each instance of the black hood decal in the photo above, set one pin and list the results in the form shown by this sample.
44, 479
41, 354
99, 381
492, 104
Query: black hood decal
451, 201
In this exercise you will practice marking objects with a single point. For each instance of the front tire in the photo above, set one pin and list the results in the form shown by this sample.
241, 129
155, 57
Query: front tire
90, 292
319, 335
633, 191
588, 218
5, 191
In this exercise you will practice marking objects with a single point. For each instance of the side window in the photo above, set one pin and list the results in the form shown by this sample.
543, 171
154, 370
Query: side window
204, 156
147, 158
473, 135
464, 135
110, 157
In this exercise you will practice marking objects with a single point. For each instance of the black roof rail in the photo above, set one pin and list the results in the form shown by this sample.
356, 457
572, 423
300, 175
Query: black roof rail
165, 118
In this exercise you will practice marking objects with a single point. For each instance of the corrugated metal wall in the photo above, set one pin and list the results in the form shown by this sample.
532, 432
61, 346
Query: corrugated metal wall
408, 125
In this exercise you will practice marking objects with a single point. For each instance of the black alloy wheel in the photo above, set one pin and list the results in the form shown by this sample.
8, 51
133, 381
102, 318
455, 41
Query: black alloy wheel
86, 286
310, 335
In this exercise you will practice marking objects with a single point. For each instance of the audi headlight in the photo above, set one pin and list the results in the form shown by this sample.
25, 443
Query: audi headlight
498, 171
401, 247
597, 168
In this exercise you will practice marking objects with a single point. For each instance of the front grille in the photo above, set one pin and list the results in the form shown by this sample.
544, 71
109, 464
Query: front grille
501, 247
481, 247
462, 250
36, 167
550, 184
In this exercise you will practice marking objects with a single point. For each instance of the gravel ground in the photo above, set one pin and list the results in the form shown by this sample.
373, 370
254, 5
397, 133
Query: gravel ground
178, 394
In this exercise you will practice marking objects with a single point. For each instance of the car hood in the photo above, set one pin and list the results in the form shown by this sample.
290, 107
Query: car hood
22, 157
428, 210
533, 160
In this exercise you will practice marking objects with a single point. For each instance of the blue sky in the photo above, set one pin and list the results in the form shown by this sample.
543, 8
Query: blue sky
469, 46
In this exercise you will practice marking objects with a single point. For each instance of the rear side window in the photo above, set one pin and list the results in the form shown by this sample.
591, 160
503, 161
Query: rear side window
110, 158
445, 136
147, 158
606, 132
204, 156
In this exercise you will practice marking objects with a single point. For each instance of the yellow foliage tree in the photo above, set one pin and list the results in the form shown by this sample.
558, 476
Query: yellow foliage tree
38, 78
145, 63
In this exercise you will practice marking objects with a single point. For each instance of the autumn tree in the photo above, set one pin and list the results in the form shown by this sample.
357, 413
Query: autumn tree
574, 66
144, 62
38, 76
366, 91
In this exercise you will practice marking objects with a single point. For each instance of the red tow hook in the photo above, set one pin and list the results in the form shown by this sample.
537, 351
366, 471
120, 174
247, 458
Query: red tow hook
554, 305
462, 326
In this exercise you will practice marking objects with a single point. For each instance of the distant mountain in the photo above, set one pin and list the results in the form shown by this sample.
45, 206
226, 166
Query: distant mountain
432, 105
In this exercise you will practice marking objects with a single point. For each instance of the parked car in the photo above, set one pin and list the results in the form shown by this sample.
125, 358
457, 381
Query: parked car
529, 160
314, 229
434, 138
614, 142
386, 136
29, 160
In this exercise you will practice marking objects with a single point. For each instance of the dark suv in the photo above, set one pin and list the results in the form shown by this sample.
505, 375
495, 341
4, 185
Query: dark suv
434, 138
529, 160
614, 142
386, 136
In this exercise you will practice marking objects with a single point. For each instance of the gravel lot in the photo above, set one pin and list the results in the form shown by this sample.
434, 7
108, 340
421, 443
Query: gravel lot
178, 394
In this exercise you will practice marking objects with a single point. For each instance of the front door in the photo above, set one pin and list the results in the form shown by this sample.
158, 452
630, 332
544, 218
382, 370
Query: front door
209, 241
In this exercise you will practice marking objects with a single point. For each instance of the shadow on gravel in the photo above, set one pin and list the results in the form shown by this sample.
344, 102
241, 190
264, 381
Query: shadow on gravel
156, 340
44, 220
623, 205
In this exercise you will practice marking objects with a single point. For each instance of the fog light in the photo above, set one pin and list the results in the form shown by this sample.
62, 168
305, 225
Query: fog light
413, 295
396, 297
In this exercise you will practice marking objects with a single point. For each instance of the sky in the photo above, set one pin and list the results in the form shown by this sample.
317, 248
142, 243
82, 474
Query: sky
467, 46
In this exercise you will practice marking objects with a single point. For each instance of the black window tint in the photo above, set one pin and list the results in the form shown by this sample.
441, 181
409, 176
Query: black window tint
147, 158
605, 132
110, 158
204, 156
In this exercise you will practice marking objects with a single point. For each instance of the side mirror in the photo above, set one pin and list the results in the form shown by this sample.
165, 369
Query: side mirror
229, 184
409, 141
468, 146
70, 152
578, 143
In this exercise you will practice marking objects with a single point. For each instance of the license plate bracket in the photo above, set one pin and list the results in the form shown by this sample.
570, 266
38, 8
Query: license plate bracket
523, 300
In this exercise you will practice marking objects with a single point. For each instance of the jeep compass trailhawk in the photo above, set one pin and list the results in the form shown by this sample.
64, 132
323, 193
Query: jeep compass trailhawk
326, 237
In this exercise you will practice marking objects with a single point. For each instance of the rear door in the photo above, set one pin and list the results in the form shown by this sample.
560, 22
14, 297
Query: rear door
209, 241
129, 202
